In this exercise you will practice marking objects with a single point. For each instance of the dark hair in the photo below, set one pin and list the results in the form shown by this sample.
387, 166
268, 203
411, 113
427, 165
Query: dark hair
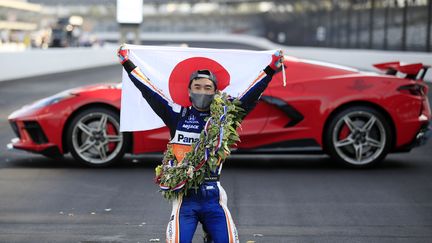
203, 73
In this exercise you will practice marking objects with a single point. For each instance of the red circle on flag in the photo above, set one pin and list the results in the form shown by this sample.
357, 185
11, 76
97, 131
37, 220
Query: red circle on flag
179, 78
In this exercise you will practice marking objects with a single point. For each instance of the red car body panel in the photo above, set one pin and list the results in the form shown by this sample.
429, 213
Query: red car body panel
314, 89
53, 118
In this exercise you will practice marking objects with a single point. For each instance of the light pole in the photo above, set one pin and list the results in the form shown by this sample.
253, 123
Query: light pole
130, 17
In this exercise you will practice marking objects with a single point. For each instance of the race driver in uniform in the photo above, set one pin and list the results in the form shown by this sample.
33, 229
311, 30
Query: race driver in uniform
208, 204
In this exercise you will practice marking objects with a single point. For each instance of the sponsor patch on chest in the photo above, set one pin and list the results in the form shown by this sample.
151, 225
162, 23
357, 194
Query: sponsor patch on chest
192, 119
185, 137
190, 126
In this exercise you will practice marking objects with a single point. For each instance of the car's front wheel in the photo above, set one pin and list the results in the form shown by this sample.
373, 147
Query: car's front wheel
94, 137
358, 136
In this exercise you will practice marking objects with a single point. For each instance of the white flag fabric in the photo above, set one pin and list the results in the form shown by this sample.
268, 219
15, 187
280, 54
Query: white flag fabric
169, 69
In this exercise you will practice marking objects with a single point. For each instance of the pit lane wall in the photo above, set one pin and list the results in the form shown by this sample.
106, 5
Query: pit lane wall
29, 63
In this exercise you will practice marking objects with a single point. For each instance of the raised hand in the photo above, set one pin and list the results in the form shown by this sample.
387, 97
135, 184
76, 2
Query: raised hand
277, 60
123, 53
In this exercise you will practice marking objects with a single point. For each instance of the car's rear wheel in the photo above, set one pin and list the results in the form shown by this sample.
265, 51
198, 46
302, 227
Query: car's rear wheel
358, 136
94, 137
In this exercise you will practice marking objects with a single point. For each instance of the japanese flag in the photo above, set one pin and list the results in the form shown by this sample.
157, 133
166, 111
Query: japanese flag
169, 69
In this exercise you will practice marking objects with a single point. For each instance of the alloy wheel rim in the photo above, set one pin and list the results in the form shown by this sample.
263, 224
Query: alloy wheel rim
364, 141
92, 141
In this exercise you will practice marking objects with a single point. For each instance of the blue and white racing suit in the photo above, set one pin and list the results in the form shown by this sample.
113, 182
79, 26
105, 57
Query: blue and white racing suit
208, 204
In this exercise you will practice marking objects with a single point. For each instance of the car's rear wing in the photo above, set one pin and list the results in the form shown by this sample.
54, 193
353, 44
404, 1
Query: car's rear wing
415, 71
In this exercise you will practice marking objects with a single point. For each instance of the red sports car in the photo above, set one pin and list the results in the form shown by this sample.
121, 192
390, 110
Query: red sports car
355, 117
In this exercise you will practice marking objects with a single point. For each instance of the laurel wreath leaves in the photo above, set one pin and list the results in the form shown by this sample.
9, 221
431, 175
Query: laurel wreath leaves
217, 140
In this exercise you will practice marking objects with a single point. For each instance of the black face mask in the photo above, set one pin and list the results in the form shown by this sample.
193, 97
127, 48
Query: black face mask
201, 101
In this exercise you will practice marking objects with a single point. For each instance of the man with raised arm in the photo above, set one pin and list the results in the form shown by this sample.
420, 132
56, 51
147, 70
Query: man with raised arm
208, 204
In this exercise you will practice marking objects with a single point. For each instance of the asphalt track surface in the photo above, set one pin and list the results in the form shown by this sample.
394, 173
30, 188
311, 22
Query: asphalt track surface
284, 198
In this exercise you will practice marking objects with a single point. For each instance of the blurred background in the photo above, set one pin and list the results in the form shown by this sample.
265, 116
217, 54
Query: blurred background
365, 24
53, 46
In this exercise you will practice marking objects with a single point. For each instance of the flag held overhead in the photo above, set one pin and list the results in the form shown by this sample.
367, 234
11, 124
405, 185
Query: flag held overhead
168, 71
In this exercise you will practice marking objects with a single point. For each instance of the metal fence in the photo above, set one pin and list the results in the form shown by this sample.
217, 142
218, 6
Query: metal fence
367, 24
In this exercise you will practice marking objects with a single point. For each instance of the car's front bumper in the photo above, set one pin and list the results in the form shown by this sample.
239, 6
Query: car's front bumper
48, 150
31, 137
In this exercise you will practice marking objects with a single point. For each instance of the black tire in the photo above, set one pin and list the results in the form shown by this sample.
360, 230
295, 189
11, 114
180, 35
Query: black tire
89, 144
347, 140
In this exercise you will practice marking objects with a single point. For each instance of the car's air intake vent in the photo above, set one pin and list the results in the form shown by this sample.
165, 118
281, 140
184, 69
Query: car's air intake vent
15, 129
35, 132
